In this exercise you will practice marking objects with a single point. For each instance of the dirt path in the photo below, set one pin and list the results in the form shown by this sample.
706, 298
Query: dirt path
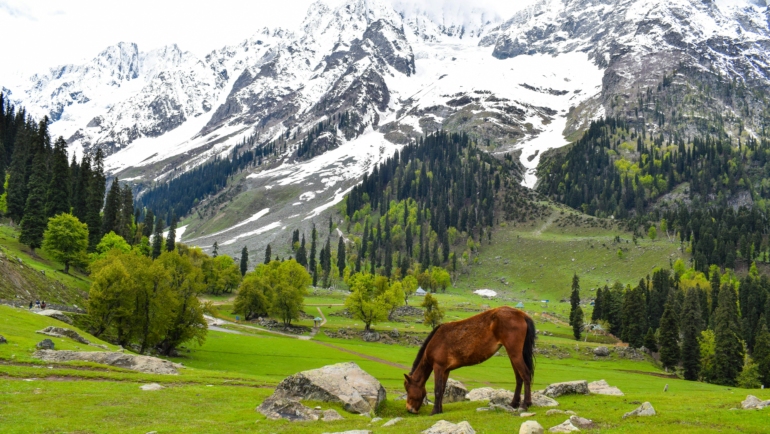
302, 338
545, 226
363, 356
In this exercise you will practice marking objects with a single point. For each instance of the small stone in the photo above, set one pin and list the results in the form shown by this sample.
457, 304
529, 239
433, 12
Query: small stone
553, 411
527, 414
570, 412
392, 422
151, 386
555, 390
331, 415
601, 351
565, 426
644, 410
602, 388
581, 422
444, 427
540, 400
2, 340
504, 407
531, 427
45, 344
483, 409
375, 420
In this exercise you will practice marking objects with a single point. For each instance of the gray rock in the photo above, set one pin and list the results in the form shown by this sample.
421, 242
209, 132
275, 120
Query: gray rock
375, 420
455, 391
152, 386
60, 332
392, 422
531, 427
555, 390
331, 415
752, 402
2, 340
643, 410
45, 344
275, 408
503, 407
565, 426
602, 388
55, 314
527, 414
540, 400
444, 427
602, 352
371, 337
344, 383
553, 412
146, 364
355, 431
581, 422
394, 333
488, 394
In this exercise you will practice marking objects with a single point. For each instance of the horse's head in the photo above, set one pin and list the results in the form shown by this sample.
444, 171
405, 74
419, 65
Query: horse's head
415, 394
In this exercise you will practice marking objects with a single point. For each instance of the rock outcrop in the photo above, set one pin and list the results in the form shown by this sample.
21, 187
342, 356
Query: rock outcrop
55, 314
540, 400
61, 332
753, 403
444, 427
344, 383
454, 391
643, 410
556, 390
146, 364
602, 388
581, 422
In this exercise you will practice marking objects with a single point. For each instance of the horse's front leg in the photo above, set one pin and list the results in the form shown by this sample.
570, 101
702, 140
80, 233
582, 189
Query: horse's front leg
440, 378
517, 394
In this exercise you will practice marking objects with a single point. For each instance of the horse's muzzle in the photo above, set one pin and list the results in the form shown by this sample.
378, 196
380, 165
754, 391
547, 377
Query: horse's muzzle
411, 410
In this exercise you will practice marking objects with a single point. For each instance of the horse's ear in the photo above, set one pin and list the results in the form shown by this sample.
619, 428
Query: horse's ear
408, 378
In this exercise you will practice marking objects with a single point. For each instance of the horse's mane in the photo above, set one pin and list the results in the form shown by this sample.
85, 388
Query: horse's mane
422, 350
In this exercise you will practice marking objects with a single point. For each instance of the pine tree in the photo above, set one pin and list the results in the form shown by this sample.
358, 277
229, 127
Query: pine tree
728, 356
111, 208
244, 260
649, 341
302, 253
149, 224
80, 190
575, 303
715, 279
215, 250
634, 316
171, 237
690, 329
17, 184
596, 315
268, 253
125, 221
157, 239
762, 352
58, 194
341, 256
577, 323
34, 222
669, 334
312, 261
95, 200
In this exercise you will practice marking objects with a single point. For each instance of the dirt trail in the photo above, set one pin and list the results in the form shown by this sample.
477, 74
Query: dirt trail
364, 356
547, 223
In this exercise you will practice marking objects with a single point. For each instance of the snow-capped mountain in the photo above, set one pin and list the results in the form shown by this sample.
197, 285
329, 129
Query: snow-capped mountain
401, 70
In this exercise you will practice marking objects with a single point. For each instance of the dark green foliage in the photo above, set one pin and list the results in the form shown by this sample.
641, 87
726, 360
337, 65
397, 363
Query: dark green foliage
752, 298
668, 341
596, 315
244, 260
691, 326
111, 208
58, 194
302, 253
17, 184
634, 316
94, 201
649, 341
577, 323
761, 353
341, 262
728, 357
149, 224
313, 253
157, 239
661, 284
267, 255
34, 222
171, 236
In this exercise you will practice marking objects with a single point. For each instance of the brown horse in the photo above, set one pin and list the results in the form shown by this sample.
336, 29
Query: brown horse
470, 342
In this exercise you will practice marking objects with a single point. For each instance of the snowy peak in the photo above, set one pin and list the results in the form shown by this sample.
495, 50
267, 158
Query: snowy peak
453, 19
120, 61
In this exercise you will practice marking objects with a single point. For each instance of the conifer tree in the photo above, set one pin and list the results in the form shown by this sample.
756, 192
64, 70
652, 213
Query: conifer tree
715, 280
244, 260
596, 315
312, 261
95, 200
268, 253
171, 237
669, 334
762, 352
341, 256
111, 208
16, 198
34, 222
215, 250
157, 239
125, 221
58, 194
302, 253
80, 189
690, 330
649, 341
575, 303
149, 224
634, 316
577, 323
728, 355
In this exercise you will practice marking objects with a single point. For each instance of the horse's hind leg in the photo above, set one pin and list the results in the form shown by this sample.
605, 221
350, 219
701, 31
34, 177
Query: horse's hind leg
517, 394
522, 376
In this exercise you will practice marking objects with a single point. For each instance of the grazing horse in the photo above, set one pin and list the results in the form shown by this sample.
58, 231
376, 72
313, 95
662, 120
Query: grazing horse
470, 342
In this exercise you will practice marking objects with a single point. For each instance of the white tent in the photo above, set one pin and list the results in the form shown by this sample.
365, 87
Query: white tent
420, 291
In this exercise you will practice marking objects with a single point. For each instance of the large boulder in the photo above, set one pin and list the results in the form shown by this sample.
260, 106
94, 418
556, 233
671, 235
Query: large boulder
563, 427
56, 314
455, 391
556, 390
643, 410
444, 427
61, 332
45, 344
344, 383
752, 402
146, 364
602, 351
531, 427
602, 388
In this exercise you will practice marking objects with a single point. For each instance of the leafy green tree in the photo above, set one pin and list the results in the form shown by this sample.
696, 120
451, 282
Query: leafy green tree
289, 293
749, 377
58, 194
577, 323
441, 277
364, 303
434, 314
707, 351
409, 286
652, 233
254, 296
66, 240
187, 322
111, 300
244, 260
110, 241
33, 224
668, 340
690, 330
728, 356
4, 195
221, 274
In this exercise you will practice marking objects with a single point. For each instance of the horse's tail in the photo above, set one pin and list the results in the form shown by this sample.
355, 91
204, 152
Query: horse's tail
529, 347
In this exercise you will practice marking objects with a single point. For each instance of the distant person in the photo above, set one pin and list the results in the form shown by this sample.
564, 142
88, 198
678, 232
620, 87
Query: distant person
42, 305
37, 304
31, 303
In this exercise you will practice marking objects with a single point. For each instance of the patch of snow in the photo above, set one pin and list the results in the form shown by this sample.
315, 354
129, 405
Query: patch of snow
259, 231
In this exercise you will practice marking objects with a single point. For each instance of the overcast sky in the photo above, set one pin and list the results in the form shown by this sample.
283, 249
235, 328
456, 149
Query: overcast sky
39, 34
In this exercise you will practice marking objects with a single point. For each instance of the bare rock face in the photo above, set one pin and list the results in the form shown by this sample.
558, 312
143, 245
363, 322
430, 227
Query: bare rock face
146, 364
345, 383
531, 427
643, 410
455, 391
444, 427
56, 314
602, 388
752, 402
60, 332
555, 390
563, 427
